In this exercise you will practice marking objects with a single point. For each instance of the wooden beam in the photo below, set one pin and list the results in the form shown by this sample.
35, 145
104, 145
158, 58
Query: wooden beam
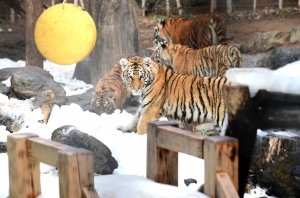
220, 155
162, 164
34, 9
24, 174
180, 140
225, 187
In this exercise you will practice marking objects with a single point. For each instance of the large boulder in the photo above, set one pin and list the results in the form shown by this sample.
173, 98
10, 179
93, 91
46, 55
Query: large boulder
281, 56
263, 42
276, 163
253, 60
104, 162
295, 35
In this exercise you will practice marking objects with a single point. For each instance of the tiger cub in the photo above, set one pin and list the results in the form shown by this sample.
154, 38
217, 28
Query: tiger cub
188, 98
209, 61
202, 31
110, 92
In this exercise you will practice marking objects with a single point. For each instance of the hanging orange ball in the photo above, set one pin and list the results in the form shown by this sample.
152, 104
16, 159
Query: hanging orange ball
65, 34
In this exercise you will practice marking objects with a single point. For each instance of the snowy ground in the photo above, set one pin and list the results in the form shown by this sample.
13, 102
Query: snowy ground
129, 149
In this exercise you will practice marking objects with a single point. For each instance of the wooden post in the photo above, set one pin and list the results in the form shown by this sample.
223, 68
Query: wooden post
229, 6
254, 7
242, 124
164, 163
34, 9
213, 5
24, 174
220, 155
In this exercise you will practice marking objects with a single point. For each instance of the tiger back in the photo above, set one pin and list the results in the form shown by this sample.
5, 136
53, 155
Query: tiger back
110, 92
209, 61
202, 31
187, 98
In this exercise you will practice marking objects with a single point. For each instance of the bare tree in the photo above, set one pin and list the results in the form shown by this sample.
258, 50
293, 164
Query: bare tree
280, 4
143, 7
168, 7
179, 7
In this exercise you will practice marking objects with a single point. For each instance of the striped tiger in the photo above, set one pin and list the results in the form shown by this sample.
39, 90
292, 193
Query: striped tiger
202, 31
191, 99
209, 61
110, 92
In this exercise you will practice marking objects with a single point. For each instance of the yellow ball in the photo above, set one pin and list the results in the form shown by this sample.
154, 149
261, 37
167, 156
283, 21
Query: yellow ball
65, 34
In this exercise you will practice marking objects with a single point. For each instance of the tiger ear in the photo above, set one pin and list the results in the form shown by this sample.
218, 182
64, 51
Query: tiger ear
123, 62
161, 22
147, 61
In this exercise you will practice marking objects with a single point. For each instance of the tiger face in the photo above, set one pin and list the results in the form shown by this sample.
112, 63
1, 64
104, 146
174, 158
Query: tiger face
163, 53
104, 101
135, 74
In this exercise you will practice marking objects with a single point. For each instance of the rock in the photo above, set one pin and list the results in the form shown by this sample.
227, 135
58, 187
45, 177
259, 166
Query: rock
276, 164
104, 162
149, 51
295, 35
190, 181
4, 89
83, 100
3, 148
255, 60
263, 42
82, 71
281, 56
34, 82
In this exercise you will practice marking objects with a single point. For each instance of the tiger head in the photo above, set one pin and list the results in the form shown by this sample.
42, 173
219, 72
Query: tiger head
164, 53
135, 74
104, 101
161, 32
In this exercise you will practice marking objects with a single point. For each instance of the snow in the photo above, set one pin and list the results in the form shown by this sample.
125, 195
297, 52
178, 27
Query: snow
129, 149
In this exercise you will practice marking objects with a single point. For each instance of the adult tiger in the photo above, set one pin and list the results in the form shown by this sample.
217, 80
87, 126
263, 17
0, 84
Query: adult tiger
188, 98
110, 92
209, 61
202, 31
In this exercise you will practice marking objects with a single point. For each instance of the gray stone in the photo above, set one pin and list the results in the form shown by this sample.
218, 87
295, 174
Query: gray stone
295, 35
263, 42
281, 56
82, 71
254, 60
83, 100
104, 162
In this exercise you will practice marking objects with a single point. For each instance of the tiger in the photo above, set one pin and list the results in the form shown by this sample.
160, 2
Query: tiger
164, 93
110, 92
209, 61
201, 31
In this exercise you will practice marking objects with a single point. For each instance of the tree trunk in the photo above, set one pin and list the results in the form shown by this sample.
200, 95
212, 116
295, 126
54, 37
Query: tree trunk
179, 7
229, 6
254, 7
213, 5
280, 4
117, 35
143, 8
34, 9
168, 7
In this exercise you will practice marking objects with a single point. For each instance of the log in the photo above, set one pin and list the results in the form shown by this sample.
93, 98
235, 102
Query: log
242, 124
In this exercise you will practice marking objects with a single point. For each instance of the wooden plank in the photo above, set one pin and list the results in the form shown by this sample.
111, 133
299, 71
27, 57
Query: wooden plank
86, 167
220, 155
69, 179
180, 140
242, 124
24, 174
45, 151
162, 165
225, 187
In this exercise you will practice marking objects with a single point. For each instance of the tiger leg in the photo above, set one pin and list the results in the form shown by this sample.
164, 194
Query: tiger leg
146, 117
132, 126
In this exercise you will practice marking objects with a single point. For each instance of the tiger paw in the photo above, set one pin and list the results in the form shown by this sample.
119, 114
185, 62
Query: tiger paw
125, 129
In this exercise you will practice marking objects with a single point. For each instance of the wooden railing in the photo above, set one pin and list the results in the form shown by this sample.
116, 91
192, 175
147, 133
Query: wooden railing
220, 154
26, 151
